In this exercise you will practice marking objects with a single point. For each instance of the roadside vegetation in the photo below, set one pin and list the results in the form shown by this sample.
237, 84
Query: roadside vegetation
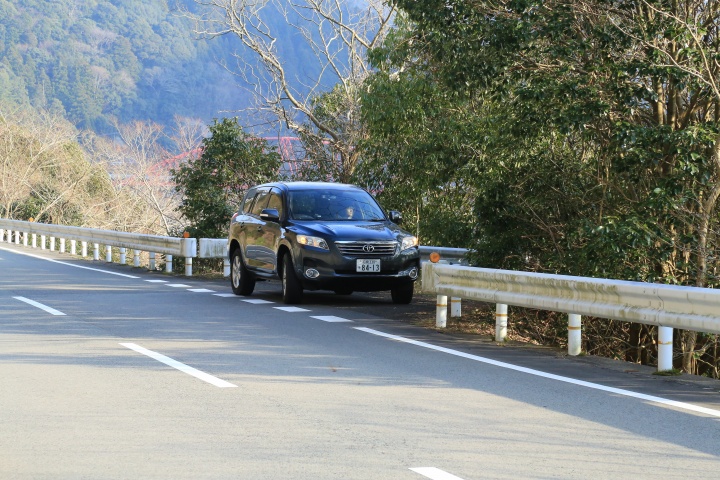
577, 137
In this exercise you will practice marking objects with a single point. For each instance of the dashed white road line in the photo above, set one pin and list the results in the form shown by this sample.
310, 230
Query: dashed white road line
180, 366
156, 281
331, 319
435, 473
538, 373
200, 290
39, 305
225, 295
257, 301
292, 309
177, 285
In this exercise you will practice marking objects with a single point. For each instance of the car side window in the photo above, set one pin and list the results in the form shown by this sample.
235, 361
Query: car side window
247, 203
261, 201
275, 201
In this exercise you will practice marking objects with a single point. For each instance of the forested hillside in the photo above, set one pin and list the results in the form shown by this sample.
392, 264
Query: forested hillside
95, 60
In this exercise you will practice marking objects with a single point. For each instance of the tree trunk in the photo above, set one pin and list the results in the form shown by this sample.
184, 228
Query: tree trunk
689, 341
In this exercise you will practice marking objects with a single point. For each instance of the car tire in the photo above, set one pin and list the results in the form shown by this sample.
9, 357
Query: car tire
241, 280
291, 289
402, 295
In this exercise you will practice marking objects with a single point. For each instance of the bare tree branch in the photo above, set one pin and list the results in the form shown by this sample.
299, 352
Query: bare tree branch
337, 34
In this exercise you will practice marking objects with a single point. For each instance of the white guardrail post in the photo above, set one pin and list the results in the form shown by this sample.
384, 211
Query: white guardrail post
441, 311
501, 322
574, 334
188, 249
665, 348
455, 307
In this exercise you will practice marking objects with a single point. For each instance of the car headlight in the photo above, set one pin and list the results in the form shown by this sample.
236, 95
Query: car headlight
312, 241
408, 242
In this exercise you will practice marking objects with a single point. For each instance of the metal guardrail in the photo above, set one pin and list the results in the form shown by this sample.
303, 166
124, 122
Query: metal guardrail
666, 306
169, 246
215, 248
155, 243
188, 248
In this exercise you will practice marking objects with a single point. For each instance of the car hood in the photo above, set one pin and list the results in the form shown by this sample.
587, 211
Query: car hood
349, 231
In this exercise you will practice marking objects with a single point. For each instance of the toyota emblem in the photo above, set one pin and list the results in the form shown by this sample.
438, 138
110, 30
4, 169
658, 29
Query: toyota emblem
368, 248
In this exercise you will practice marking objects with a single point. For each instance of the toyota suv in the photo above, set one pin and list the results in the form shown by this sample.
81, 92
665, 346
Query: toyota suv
320, 236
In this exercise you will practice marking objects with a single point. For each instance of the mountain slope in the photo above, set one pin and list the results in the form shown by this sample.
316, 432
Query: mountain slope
94, 60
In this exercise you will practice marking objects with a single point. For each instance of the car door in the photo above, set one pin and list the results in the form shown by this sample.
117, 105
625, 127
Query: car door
240, 221
271, 231
254, 250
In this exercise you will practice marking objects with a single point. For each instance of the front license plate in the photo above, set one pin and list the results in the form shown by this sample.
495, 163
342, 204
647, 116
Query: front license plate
368, 265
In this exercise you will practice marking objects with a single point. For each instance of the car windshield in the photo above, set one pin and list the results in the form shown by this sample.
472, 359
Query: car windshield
334, 205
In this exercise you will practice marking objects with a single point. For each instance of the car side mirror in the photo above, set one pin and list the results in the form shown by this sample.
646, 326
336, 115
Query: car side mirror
270, 215
395, 217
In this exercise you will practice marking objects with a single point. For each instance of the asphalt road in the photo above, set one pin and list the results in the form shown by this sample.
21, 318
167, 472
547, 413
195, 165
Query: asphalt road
113, 372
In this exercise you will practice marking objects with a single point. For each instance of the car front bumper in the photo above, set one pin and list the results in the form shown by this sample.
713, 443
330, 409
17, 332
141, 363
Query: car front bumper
319, 270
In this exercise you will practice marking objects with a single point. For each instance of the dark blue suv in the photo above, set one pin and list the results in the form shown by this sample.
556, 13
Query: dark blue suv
320, 236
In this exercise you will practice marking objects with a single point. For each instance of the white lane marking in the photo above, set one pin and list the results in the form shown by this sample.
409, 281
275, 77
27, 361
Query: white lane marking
226, 295
582, 383
69, 264
177, 285
156, 281
435, 473
180, 366
331, 319
40, 306
257, 301
292, 309
200, 290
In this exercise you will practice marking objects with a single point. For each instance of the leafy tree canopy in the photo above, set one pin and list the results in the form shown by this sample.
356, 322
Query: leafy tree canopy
213, 184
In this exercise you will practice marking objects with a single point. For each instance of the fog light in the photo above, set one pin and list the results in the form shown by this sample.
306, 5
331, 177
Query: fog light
413, 273
312, 273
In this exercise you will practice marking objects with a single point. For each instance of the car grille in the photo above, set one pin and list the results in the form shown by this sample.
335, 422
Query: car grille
367, 249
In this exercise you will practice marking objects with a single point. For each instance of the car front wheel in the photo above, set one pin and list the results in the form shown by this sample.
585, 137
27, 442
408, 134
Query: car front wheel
402, 295
291, 289
242, 281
